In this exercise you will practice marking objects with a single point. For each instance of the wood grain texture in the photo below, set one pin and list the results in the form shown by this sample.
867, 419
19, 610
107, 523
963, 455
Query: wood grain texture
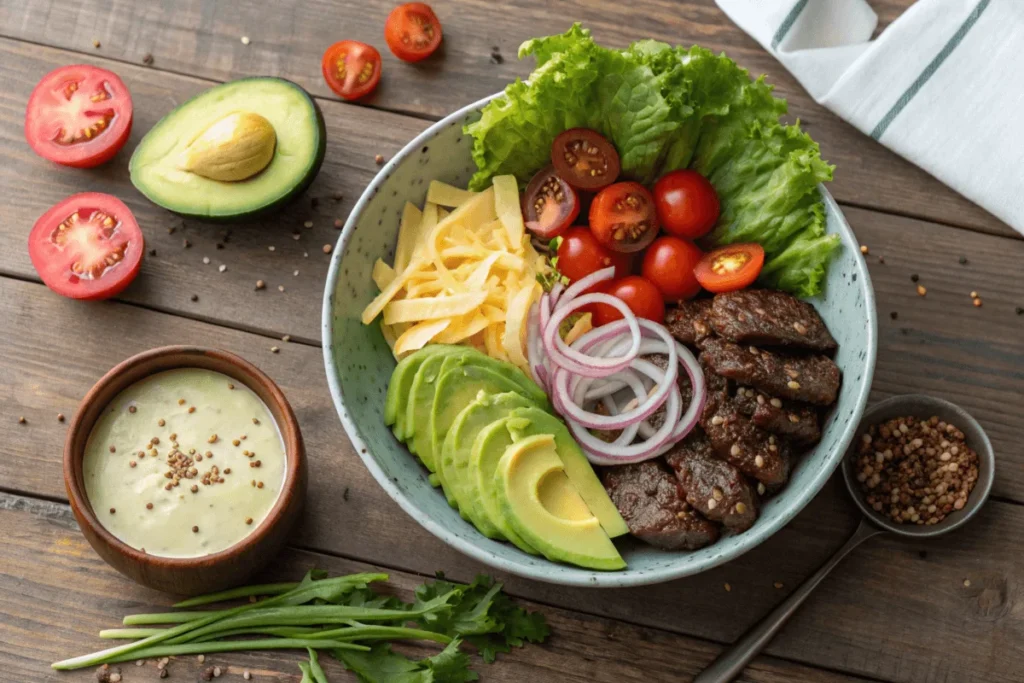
288, 37
347, 513
30, 185
48, 568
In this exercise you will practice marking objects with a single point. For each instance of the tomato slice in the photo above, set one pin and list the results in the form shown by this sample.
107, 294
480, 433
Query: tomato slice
669, 264
412, 31
639, 294
585, 159
687, 204
550, 205
351, 69
622, 217
78, 115
730, 268
580, 254
87, 246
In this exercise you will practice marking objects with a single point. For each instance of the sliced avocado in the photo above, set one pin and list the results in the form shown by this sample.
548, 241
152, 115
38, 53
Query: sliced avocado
457, 448
160, 162
577, 467
546, 510
460, 383
420, 403
401, 384
488, 447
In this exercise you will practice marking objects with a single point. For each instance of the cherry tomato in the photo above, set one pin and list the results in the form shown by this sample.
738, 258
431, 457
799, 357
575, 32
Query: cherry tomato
687, 204
730, 268
351, 69
622, 217
580, 254
585, 159
642, 297
550, 205
87, 246
412, 31
79, 116
669, 264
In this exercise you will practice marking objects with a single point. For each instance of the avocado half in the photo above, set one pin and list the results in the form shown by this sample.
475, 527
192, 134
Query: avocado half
299, 152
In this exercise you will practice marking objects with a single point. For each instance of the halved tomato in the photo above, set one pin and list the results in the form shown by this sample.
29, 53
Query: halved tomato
622, 217
730, 268
351, 68
78, 115
550, 205
87, 246
412, 31
585, 159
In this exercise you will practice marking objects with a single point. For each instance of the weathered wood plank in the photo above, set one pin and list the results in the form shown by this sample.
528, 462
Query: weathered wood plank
46, 567
348, 514
202, 37
30, 185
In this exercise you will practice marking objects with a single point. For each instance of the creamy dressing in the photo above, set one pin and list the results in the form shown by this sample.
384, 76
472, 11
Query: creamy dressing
162, 470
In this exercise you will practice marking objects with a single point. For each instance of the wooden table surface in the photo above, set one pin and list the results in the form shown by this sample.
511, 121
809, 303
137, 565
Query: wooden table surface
947, 611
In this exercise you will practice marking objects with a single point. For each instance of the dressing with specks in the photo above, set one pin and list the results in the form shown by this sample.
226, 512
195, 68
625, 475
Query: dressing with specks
184, 463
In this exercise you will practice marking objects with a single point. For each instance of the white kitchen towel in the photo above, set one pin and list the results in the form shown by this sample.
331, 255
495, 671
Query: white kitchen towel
942, 86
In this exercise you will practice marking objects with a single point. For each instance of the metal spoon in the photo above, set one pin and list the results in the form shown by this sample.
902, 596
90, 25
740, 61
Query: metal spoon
731, 662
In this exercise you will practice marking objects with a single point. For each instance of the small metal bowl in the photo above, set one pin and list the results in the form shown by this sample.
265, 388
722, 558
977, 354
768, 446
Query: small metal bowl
923, 407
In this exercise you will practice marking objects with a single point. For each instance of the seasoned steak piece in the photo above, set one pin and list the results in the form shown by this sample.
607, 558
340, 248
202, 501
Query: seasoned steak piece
792, 419
688, 321
651, 501
769, 318
750, 449
813, 378
713, 487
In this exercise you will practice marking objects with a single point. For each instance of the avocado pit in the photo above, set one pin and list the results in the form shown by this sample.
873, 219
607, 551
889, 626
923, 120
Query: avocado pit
234, 148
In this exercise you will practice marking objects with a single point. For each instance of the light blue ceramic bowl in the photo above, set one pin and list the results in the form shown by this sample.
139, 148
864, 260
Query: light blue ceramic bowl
359, 365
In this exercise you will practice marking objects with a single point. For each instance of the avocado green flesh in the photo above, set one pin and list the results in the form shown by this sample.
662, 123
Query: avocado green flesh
299, 152
458, 446
488, 447
401, 384
418, 408
579, 470
530, 474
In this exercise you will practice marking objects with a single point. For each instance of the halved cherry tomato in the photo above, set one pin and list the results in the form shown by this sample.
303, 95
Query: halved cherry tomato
78, 115
642, 297
669, 264
585, 159
730, 268
580, 254
351, 68
622, 217
687, 204
87, 246
412, 31
550, 205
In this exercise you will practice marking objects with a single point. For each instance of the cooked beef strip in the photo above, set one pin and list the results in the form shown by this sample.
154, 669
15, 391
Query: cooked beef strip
713, 487
688, 321
811, 378
750, 449
792, 419
651, 501
769, 318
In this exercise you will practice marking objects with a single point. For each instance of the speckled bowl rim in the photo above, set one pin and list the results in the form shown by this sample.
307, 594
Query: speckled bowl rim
291, 436
624, 578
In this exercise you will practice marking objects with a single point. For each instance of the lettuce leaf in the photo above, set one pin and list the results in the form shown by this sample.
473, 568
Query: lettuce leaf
666, 108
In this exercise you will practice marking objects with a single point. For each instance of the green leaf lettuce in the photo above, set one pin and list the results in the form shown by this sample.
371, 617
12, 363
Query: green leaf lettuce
666, 108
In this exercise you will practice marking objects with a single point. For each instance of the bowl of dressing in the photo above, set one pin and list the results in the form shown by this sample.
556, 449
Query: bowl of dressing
185, 469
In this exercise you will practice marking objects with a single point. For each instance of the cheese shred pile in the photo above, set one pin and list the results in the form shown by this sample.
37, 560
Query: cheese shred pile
468, 276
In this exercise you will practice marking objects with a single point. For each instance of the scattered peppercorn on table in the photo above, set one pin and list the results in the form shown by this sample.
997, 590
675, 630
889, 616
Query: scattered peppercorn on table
951, 315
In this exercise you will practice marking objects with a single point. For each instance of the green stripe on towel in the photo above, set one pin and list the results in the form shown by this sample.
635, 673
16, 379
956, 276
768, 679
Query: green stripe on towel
788, 22
932, 67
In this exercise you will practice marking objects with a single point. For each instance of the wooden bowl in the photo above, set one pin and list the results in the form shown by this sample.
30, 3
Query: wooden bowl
188, 576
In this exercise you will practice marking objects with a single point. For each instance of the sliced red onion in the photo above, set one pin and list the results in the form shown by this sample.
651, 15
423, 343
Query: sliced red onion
568, 358
583, 284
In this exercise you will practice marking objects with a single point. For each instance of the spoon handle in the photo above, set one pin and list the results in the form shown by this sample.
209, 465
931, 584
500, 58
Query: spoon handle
731, 662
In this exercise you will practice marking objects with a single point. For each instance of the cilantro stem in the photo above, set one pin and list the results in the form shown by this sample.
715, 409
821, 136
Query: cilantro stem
233, 646
236, 593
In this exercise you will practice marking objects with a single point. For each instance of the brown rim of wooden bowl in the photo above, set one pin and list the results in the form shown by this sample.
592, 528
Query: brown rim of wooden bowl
148, 363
